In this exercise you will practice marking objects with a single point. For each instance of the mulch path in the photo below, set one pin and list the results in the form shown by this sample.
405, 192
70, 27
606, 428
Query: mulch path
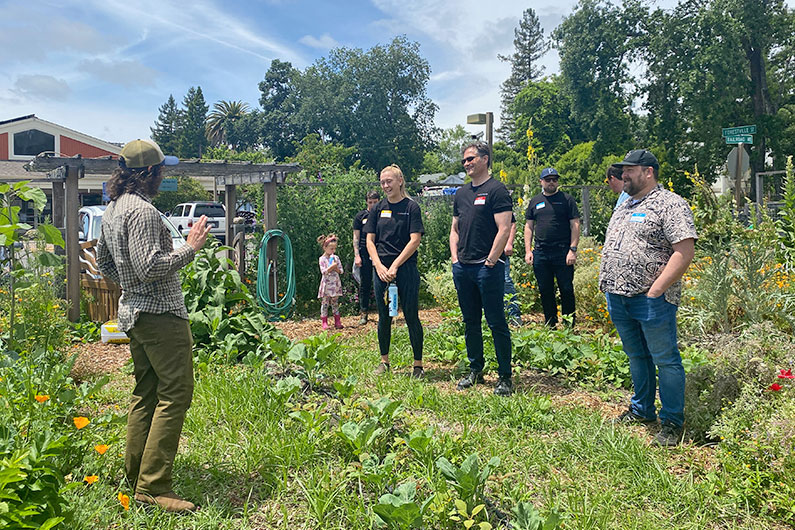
301, 329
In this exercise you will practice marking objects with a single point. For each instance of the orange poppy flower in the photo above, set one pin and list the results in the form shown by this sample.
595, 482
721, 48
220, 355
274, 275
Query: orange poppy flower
124, 500
90, 479
101, 448
41, 398
81, 421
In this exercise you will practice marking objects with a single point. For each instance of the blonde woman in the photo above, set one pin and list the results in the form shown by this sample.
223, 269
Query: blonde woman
394, 230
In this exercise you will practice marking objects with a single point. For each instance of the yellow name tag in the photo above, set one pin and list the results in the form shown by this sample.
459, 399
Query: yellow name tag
386, 213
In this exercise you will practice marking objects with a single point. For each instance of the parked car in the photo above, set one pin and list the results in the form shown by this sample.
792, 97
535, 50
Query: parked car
90, 221
184, 215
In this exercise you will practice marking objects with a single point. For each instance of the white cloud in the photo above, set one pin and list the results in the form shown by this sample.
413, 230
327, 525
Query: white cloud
42, 87
324, 42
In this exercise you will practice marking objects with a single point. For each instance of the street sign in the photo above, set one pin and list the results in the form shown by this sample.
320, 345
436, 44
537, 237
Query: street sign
733, 159
744, 129
739, 139
168, 185
476, 119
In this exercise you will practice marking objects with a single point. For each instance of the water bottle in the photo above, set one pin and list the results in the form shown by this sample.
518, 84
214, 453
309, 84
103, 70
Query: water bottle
393, 300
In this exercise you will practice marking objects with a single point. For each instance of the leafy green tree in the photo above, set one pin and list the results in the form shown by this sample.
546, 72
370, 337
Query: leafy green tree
315, 156
374, 101
279, 105
530, 45
193, 137
221, 119
246, 133
166, 131
596, 45
188, 189
445, 157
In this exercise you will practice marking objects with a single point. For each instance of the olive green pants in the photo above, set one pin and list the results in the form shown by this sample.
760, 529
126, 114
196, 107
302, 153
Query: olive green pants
161, 347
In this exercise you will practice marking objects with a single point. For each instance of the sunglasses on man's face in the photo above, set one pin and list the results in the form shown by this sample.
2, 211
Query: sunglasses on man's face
550, 179
468, 159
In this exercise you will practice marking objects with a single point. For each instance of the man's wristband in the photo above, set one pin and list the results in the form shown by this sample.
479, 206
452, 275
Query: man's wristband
573, 249
489, 262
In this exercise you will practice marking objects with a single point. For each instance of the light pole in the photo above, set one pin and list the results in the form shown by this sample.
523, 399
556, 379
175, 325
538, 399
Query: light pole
486, 119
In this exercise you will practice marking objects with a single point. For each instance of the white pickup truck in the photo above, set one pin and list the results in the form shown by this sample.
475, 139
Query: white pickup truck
184, 215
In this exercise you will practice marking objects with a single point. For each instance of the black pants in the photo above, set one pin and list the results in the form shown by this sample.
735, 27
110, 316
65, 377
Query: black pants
408, 284
547, 269
366, 285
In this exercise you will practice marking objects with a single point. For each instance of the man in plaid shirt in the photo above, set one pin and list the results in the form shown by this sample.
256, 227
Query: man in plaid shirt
135, 250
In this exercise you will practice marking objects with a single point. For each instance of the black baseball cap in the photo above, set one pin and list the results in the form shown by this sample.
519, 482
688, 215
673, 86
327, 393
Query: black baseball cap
639, 157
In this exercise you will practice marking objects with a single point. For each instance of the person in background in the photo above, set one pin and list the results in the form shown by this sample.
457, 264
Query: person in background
553, 218
330, 288
394, 230
616, 184
480, 229
362, 258
511, 303
649, 245
135, 250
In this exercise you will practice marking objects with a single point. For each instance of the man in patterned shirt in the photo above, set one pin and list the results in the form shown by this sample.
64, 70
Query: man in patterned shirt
135, 250
648, 246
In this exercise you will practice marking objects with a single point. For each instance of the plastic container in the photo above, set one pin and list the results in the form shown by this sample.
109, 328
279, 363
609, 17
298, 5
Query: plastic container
393, 300
110, 333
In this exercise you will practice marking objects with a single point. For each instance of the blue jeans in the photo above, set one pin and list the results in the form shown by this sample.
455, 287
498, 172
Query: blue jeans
647, 327
481, 290
512, 305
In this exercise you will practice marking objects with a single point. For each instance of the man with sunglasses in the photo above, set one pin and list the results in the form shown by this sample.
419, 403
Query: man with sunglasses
482, 211
648, 247
552, 217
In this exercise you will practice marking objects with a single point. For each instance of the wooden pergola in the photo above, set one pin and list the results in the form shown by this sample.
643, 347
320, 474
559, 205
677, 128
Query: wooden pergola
65, 173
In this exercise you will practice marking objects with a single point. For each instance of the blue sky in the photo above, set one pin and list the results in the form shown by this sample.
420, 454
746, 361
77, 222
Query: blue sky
103, 67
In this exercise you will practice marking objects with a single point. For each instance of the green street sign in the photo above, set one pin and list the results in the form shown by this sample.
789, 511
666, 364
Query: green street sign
733, 131
168, 185
739, 139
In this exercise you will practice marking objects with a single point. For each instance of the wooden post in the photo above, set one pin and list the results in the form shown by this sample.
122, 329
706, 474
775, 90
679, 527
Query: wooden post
57, 211
230, 200
72, 206
269, 223
490, 133
586, 210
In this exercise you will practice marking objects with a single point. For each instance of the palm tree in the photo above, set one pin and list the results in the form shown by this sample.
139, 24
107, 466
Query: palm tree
223, 114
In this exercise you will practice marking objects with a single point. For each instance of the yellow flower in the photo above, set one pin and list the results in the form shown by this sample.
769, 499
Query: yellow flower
90, 479
81, 421
124, 500
41, 398
101, 448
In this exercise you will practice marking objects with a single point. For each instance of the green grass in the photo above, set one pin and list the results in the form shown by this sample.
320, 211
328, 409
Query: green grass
251, 466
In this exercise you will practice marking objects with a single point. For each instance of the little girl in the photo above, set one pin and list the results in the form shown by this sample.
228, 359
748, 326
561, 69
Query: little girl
330, 285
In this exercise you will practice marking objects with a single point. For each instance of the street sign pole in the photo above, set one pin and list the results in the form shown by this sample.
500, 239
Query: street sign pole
738, 180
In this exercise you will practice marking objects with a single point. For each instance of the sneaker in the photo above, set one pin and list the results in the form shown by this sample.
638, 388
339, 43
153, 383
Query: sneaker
170, 502
504, 387
470, 380
417, 373
381, 369
669, 436
516, 322
363, 319
628, 417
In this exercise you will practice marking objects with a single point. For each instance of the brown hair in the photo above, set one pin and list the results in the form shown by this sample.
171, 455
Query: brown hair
482, 148
613, 171
325, 240
144, 180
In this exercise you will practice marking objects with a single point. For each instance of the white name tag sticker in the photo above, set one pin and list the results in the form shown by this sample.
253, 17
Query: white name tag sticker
637, 217
479, 201
386, 214
541, 205
364, 221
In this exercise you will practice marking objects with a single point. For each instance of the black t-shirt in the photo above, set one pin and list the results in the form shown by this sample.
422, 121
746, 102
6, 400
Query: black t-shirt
551, 215
475, 208
393, 225
358, 224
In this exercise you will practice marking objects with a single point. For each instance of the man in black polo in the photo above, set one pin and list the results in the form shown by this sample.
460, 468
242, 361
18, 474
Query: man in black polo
362, 258
553, 218
481, 226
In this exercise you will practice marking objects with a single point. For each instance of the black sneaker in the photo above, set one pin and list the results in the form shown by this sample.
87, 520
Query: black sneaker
472, 379
628, 417
669, 436
417, 373
504, 387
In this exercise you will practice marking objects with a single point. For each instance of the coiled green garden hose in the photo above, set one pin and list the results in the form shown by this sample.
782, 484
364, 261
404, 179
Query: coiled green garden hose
284, 305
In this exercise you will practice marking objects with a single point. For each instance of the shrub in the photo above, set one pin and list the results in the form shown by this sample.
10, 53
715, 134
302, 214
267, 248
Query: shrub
591, 303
